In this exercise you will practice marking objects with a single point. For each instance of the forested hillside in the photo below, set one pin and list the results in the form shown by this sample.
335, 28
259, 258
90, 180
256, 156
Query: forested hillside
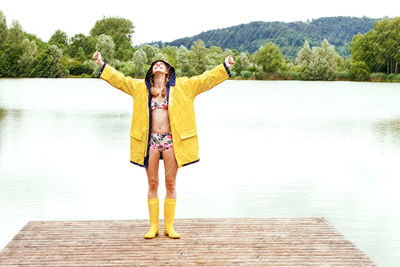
290, 37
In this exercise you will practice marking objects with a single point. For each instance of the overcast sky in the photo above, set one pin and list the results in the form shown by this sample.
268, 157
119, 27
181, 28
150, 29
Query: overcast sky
169, 20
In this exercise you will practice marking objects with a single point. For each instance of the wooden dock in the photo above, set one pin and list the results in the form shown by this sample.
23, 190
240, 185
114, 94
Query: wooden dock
206, 242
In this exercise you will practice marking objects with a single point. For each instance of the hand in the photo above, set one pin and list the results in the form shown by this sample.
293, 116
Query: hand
97, 58
229, 61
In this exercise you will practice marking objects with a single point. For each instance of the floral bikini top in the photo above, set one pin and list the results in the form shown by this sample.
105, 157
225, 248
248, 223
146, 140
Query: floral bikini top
155, 105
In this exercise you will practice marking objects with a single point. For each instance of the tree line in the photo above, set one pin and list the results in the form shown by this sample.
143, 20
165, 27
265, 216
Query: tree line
288, 36
374, 56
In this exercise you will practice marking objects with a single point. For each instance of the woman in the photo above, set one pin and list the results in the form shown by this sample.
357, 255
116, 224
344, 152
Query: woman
163, 126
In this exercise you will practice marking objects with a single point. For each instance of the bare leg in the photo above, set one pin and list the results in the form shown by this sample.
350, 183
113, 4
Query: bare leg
152, 173
152, 197
171, 169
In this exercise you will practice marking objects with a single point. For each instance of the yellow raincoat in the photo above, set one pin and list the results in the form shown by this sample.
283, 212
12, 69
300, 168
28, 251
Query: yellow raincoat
180, 95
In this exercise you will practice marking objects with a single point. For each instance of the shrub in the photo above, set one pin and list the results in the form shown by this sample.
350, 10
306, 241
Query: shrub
294, 75
245, 74
391, 77
279, 75
359, 70
253, 69
344, 75
396, 78
127, 69
77, 68
377, 77
90, 64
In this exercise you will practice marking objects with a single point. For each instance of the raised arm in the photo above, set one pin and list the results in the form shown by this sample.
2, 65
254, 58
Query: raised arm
114, 77
204, 82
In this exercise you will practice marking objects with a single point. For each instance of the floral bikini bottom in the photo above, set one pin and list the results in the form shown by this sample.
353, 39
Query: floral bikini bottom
161, 142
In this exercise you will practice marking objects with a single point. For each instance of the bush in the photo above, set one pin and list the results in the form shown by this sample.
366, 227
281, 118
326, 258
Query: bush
280, 75
294, 75
127, 69
90, 64
245, 74
178, 73
233, 73
253, 69
391, 77
359, 70
344, 75
260, 75
377, 77
78, 68
396, 78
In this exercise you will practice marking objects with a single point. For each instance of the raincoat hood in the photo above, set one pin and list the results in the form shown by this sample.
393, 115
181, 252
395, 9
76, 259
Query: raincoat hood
171, 70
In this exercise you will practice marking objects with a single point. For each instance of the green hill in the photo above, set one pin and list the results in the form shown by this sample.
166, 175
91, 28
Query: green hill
290, 37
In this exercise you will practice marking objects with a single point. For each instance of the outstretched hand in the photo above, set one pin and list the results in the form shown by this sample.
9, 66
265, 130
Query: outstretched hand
229, 61
97, 58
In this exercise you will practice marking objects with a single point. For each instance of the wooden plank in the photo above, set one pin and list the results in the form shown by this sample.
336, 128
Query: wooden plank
216, 241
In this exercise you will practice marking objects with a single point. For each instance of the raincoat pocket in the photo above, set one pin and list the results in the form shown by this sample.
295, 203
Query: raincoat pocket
187, 133
138, 145
139, 135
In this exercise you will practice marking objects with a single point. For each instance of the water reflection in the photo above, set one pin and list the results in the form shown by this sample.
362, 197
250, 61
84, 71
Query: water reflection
388, 132
3, 113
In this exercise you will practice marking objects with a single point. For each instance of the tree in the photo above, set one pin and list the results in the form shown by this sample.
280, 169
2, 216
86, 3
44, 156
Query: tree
81, 42
379, 48
28, 57
184, 67
396, 32
227, 52
199, 56
106, 47
359, 70
385, 38
3, 29
216, 55
270, 58
120, 30
363, 48
48, 63
3, 38
56, 67
324, 62
139, 61
159, 55
242, 63
60, 39
170, 52
397, 57
304, 56
303, 59
12, 51
151, 51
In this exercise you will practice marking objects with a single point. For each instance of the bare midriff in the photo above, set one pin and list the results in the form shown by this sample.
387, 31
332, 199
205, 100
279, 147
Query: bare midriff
160, 121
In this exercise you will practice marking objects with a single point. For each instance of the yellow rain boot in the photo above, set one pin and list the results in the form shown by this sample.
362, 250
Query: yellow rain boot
153, 214
169, 214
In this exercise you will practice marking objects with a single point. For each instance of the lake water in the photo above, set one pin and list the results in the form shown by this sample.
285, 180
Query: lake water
267, 149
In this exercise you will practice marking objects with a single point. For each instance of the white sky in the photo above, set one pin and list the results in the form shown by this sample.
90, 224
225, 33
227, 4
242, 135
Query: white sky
156, 20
